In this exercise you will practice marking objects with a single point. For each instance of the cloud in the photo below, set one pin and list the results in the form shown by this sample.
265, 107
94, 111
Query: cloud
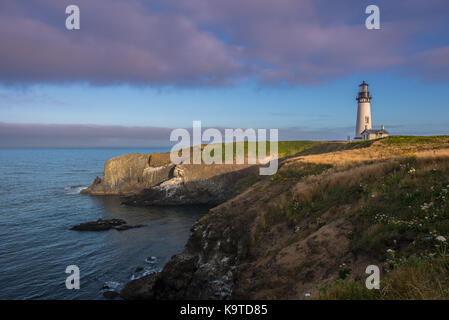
26, 97
81, 135
432, 64
76, 135
325, 133
216, 42
119, 42
311, 41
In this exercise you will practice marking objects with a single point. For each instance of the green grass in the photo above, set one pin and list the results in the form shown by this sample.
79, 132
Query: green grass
361, 144
395, 140
347, 289
279, 213
420, 278
405, 207
273, 216
298, 172
305, 147
302, 267
285, 148
400, 203
248, 181
290, 148
410, 204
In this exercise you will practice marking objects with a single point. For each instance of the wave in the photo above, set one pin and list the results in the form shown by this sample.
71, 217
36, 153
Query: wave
151, 267
111, 285
74, 189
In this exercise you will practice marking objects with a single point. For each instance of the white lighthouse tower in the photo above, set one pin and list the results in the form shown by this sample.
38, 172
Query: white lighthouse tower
363, 111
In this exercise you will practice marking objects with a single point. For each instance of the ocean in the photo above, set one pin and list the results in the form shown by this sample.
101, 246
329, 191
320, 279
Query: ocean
41, 201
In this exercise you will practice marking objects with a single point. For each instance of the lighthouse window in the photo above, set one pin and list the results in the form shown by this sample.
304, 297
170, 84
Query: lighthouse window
366, 119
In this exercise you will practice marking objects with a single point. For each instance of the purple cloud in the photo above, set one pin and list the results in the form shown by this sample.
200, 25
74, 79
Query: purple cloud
432, 64
119, 41
80, 135
77, 135
216, 42
316, 40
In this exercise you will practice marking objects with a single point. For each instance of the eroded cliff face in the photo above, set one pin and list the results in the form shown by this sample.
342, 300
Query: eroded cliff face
205, 269
224, 258
194, 184
130, 173
289, 234
151, 179
227, 257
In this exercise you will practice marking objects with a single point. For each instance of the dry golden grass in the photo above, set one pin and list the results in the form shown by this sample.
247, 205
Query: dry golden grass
433, 154
393, 178
379, 150
354, 166
421, 279
426, 280
352, 176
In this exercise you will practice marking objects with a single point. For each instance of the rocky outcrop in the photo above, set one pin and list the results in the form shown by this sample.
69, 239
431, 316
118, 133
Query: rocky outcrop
218, 244
151, 179
140, 289
130, 173
110, 294
233, 254
223, 258
288, 234
194, 184
103, 225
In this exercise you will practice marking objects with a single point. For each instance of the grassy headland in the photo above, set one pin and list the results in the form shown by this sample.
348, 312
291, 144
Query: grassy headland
311, 230
382, 202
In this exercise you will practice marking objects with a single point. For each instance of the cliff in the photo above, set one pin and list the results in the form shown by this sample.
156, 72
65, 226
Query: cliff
313, 228
151, 179
131, 173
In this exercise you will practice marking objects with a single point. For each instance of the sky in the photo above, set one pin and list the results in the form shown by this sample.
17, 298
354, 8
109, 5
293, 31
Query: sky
138, 69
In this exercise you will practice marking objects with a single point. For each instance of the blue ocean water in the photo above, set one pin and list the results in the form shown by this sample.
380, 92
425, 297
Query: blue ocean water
40, 201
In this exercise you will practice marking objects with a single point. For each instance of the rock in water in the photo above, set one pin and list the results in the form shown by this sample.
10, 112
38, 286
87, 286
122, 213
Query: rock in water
102, 225
111, 294
140, 289
126, 227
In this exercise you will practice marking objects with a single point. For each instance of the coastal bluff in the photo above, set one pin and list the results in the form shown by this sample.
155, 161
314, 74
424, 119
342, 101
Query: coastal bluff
151, 179
331, 210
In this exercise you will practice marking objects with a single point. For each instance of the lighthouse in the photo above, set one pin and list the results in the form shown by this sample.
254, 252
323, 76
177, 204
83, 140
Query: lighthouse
363, 126
363, 111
